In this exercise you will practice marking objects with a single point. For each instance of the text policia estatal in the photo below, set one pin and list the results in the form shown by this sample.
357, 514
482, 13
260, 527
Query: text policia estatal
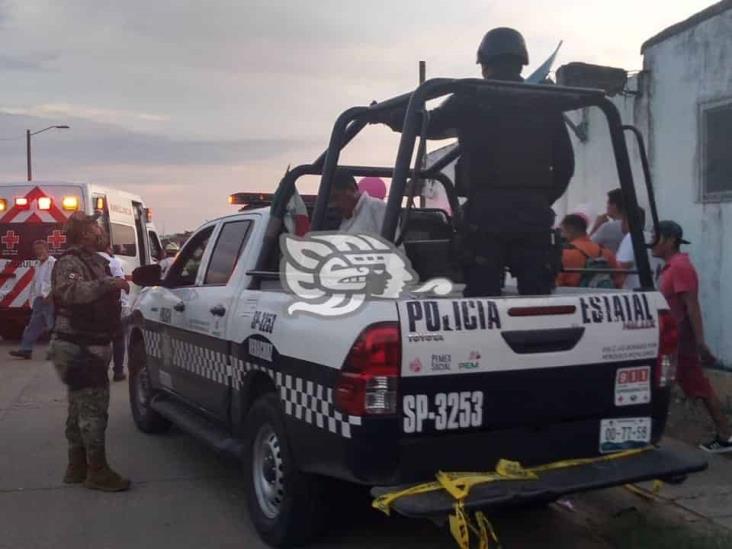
472, 314
632, 310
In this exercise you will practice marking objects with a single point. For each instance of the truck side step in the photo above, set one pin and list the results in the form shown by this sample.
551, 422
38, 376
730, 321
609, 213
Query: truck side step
194, 424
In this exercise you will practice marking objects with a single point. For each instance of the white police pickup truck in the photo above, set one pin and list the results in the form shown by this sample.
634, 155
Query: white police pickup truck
303, 376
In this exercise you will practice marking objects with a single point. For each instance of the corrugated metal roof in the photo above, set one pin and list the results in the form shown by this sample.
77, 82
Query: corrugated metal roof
693, 21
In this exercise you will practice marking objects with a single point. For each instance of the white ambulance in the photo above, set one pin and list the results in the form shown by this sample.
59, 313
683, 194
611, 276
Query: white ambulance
32, 210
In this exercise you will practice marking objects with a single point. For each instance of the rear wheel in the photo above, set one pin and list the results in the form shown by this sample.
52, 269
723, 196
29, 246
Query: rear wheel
141, 393
285, 504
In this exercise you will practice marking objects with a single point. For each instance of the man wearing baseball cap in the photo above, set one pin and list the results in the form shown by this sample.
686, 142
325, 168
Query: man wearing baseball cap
679, 284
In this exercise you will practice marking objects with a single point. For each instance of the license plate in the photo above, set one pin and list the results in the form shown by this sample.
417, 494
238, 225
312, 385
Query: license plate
624, 434
442, 411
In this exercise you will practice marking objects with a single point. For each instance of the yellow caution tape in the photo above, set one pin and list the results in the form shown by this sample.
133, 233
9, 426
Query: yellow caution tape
458, 485
651, 494
459, 526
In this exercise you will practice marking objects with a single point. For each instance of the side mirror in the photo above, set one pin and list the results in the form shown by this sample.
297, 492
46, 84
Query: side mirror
147, 275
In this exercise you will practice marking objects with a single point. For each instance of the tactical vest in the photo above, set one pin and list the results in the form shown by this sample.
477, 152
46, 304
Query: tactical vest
96, 322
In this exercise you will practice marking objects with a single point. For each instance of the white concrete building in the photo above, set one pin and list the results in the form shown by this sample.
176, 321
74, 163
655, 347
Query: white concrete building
682, 102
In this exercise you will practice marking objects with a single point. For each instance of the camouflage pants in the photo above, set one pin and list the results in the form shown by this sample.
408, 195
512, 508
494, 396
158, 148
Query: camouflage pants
83, 368
86, 423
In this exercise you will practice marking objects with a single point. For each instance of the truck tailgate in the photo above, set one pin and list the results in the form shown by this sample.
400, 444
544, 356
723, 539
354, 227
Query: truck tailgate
495, 364
656, 463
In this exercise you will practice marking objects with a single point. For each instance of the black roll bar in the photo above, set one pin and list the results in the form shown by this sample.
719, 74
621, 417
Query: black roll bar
625, 174
287, 186
649, 182
336, 144
353, 120
436, 87
438, 166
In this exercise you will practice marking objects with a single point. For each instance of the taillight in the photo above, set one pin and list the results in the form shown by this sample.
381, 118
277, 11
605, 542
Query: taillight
668, 342
367, 383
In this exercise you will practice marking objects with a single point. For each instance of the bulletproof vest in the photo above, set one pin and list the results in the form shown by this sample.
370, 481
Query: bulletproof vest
101, 318
509, 149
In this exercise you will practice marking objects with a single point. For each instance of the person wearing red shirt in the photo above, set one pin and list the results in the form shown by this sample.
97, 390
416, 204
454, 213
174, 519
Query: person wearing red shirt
580, 249
679, 284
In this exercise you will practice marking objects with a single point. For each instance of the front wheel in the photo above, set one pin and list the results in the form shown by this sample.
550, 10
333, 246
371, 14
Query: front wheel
285, 505
141, 393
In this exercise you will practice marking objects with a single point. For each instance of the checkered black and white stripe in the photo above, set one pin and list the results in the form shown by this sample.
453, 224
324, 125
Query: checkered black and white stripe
201, 361
306, 400
153, 344
303, 399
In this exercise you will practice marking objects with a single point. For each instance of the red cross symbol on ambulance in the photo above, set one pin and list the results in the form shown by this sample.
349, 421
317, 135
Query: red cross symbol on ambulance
56, 239
10, 240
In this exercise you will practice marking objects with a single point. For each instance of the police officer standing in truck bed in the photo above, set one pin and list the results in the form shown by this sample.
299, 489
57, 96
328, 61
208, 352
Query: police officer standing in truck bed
516, 161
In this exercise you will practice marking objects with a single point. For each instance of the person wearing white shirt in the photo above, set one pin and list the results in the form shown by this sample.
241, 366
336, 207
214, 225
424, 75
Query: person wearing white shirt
361, 214
626, 260
41, 319
118, 341
626, 255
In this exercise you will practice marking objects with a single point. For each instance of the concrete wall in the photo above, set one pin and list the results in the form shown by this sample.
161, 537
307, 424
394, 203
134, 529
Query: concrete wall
685, 71
680, 74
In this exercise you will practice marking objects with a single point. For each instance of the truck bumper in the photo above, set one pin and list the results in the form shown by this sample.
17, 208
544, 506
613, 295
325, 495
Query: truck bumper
657, 463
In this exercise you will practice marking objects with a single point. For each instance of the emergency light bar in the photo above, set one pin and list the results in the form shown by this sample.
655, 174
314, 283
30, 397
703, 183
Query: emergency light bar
21, 202
44, 203
3, 204
99, 204
262, 200
247, 199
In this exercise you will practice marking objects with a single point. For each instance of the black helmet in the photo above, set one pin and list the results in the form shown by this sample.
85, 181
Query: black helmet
502, 41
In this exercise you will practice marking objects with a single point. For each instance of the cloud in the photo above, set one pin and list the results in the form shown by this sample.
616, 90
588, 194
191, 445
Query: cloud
91, 143
165, 94
65, 110
25, 62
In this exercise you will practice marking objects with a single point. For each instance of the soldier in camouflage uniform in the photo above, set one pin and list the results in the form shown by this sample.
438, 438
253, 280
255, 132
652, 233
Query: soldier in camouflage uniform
86, 299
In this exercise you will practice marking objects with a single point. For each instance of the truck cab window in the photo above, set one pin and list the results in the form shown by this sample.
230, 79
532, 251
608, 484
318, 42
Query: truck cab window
185, 269
123, 239
229, 245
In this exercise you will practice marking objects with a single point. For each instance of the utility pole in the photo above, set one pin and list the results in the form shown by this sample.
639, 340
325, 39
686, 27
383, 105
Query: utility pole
28, 135
422, 78
28, 153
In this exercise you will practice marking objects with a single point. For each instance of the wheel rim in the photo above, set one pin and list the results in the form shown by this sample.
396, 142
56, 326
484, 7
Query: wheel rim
267, 471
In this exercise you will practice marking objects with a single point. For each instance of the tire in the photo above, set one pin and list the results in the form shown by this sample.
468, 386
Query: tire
285, 505
146, 419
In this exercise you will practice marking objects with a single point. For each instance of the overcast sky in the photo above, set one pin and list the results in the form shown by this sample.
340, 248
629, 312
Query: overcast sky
186, 101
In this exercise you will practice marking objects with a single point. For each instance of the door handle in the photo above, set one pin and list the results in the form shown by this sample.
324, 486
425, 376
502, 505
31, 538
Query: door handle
180, 307
218, 310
